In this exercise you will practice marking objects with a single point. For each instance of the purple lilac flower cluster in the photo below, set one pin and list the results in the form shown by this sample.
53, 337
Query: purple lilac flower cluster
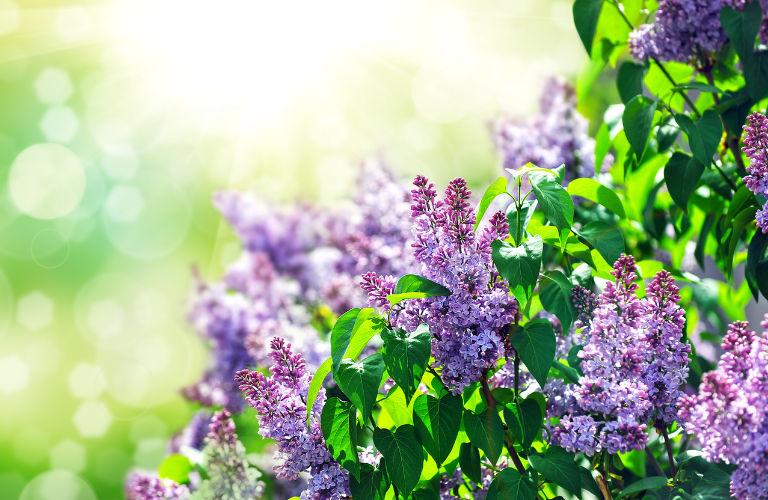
141, 486
730, 414
451, 484
470, 325
756, 149
558, 135
193, 435
633, 363
280, 401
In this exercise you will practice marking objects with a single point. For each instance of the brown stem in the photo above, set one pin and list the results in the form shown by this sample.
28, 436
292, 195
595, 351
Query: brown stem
669, 451
515, 458
731, 139
603, 487
655, 463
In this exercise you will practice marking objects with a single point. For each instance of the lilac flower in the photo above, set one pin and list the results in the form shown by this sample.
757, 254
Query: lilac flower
280, 401
558, 135
140, 486
229, 475
577, 433
730, 414
468, 326
756, 149
450, 484
585, 304
193, 435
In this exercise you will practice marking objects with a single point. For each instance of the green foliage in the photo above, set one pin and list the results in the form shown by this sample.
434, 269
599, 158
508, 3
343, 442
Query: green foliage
703, 135
519, 219
509, 484
586, 13
558, 465
524, 421
469, 460
497, 187
605, 238
682, 174
176, 468
360, 381
649, 483
557, 206
338, 423
594, 191
536, 345
412, 286
519, 265
630, 80
402, 455
555, 295
372, 485
437, 423
406, 356
486, 431
637, 121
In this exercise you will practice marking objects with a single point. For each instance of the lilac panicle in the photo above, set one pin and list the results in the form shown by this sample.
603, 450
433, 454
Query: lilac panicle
729, 416
194, 434
756, 149
280, 401
469, 325
141, 486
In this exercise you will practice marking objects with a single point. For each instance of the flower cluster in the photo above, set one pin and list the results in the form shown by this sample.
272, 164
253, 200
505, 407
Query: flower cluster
450, 484
558, 135
633, 363
756, 149
140, 486
280, 401
730, 414
468, 326
193, 435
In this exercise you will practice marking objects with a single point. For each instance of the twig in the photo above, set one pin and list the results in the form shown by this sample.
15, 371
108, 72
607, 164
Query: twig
655, 463
669, 451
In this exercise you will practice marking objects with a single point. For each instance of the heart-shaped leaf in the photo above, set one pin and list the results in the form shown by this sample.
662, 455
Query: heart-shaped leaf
555, 295
637, 121
511, 485
406, 356
497, 187
437, 423
338, 423
360, 381
606, 238
486, 431
682, 173
373, 483
524, 421
557, 465
519, 265
703, 135
585, 16
402, 454
536, 345
557, 206
469, 461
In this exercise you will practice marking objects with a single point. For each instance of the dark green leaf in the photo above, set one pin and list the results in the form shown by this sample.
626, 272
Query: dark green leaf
555, 295
373, 484
437, 423
581, 276
667, 134
606, 238
701, 243
734, 108
511, 485
338, 423
524, 215
703, 136
756, 74
557, 206
176, 468
406, 356
342, 334
742, 28
570, 373
557, 465
585, 16
594, 191
602, 146
524, 421
686, 456
714, 485
574, 361
486, 431
629, 80
469, 461
536, 345
649, 483
402, 455
424, 494
682, 173
412, 286
497, 187
637, 121
519, 265
360, 381
315, 385
756, 269
740, 222
588, 482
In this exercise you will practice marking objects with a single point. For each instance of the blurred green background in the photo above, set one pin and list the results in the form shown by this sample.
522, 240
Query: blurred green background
118, 119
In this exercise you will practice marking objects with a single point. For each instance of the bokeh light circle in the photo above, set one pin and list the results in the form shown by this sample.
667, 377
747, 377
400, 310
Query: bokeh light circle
131, 384
103, 311
147, 218
10, 17
58, 485
46, 181
49, 248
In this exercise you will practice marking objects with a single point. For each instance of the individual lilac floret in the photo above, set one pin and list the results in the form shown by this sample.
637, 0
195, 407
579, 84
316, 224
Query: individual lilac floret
229, 475
141, 486
730, 414
684, 30
756, 149
470, 325
557, 135
280, 401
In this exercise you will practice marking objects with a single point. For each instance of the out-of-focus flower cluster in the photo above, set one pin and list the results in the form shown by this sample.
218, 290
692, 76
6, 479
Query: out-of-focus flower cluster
756, 149
633, 363
730, 414
686, 30
450, 485
469, 326
557, 135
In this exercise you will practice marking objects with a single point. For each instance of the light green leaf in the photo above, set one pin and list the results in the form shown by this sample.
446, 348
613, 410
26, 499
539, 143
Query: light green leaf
497, 187
360, 381
176, 468
316, 384
649, 483
594, 191
412, 286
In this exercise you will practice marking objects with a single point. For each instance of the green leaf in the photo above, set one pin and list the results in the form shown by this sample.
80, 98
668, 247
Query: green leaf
497, 187
557, 465
629, 80
519, 265
469, 461
606, 238
525, 213
316, 384
373, 483
176, 468
557, 206
588, 482
667, 133
734, 108
511, 485
524, 421
396, 408
342, 334
486, 431
581, 275
402, 455
424, 494
740, 222
649, 483
701, 243
756, 269
412, 286
701, 87
569, 372
338, 423
742, 28
594, 191
703, 135
536, 345
585, 16
574, 361
637, 121
437, 423
406, 356
360, 381
362, 335
602, 146
714, 485
682, 173
686, 456
555, 294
